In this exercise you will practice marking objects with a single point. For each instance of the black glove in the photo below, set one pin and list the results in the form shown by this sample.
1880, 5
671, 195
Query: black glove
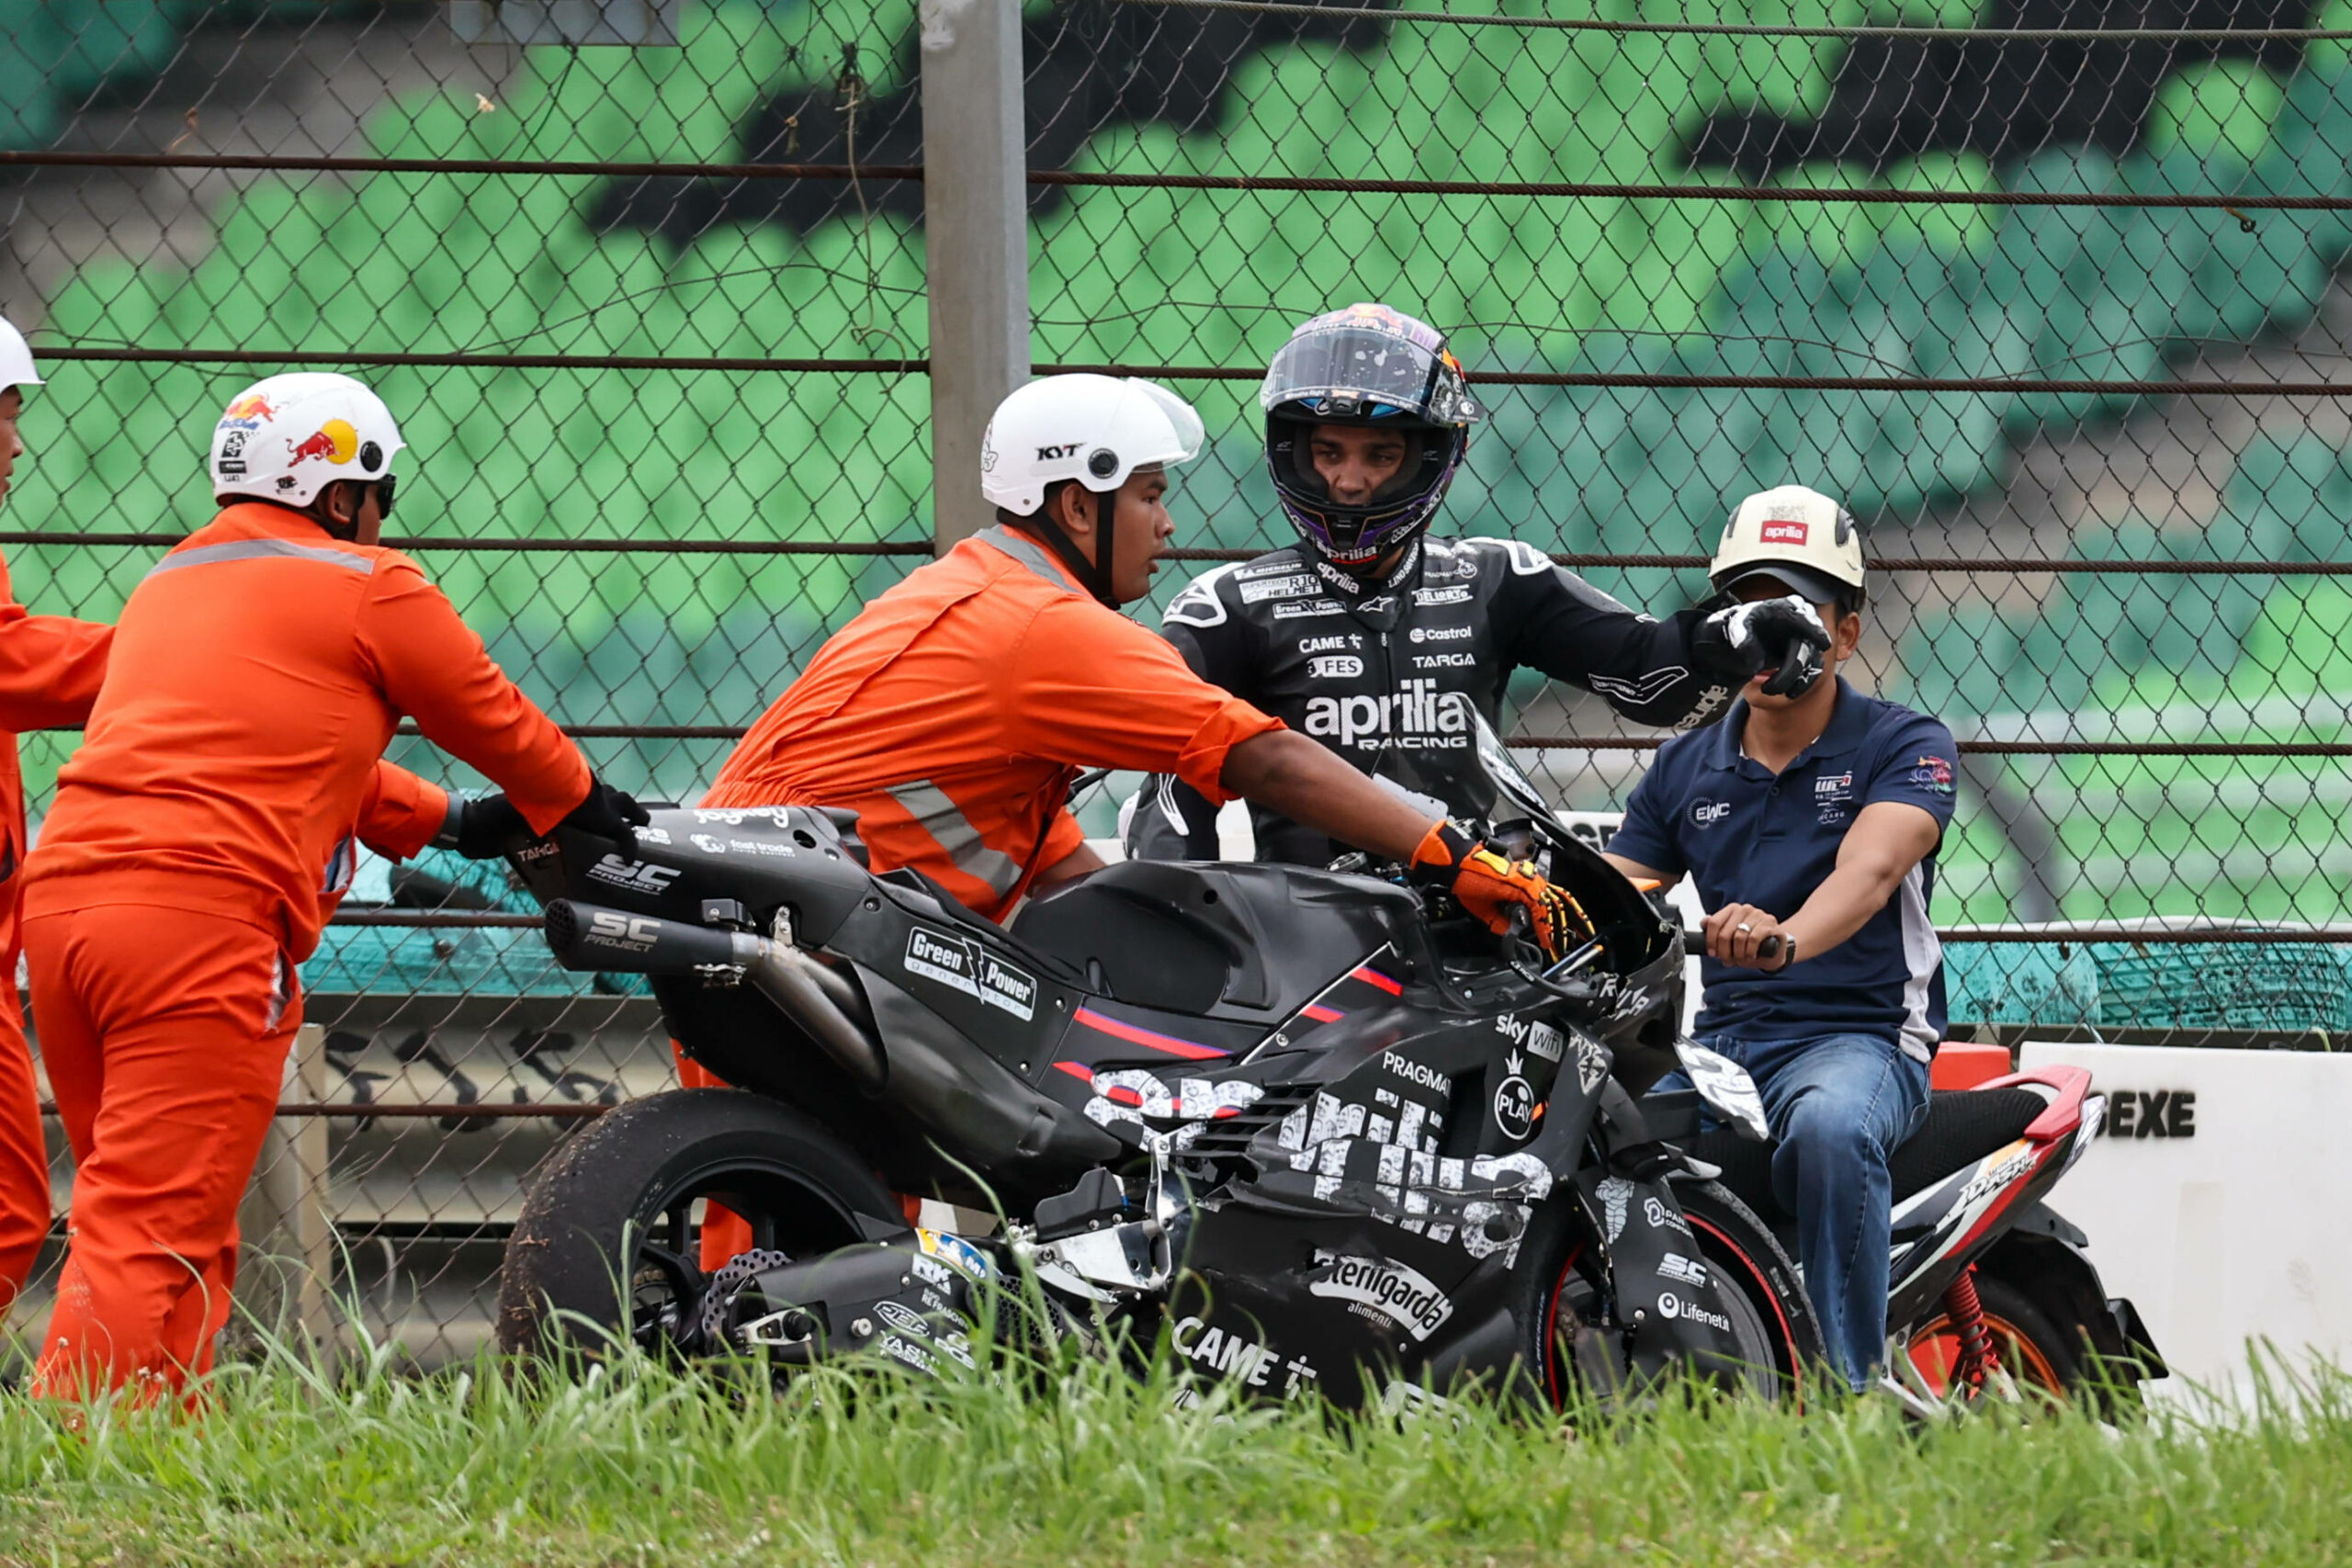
1740, 641
483, 829
607, 813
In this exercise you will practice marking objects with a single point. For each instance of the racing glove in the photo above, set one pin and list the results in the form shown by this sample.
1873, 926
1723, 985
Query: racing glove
483, 827
1739, 642
489, 826
608, 813
1490, 888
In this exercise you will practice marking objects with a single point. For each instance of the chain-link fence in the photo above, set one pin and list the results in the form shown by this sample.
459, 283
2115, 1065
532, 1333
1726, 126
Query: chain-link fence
2046, 291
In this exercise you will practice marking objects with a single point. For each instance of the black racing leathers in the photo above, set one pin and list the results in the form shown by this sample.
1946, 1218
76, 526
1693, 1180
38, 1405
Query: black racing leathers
1367, 669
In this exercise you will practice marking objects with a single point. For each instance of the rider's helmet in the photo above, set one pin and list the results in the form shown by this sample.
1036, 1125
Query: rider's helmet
1365, 366
15, 359
288, 437
1090, 430
1801, 536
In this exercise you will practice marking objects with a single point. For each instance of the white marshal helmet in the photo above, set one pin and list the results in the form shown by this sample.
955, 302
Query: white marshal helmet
287, 438
15, 359
1095, 429
1798, 535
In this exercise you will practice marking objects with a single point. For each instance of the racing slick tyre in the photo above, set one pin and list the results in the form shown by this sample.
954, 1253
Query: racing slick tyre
623, 1200
1780, 1339
2042, 1354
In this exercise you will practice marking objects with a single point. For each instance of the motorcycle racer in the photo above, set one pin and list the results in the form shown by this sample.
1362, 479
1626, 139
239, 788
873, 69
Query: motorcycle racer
1361, 633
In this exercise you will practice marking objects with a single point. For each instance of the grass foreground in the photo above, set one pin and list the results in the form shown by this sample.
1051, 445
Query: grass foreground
632, 1464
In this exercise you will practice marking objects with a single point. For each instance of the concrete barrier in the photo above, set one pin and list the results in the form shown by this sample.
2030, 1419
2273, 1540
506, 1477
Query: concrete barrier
2212, 1200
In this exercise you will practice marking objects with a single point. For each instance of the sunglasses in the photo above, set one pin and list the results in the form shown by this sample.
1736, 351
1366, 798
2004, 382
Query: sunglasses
384, 488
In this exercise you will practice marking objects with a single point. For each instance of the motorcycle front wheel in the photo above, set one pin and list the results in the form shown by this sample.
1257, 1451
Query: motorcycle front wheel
608, 1248
1780, 1340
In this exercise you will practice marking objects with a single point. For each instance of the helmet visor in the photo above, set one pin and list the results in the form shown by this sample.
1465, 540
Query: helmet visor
1357, 370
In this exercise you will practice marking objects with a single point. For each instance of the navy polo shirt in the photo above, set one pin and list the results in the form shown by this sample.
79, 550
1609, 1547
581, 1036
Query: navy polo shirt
1747, 837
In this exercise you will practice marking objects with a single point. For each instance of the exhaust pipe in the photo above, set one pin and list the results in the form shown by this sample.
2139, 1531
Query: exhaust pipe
591, 938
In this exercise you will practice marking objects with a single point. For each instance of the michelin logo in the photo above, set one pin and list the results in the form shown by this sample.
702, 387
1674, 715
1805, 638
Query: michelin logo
1300, 586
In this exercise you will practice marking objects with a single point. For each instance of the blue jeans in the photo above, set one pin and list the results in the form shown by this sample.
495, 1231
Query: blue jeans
1840, 1105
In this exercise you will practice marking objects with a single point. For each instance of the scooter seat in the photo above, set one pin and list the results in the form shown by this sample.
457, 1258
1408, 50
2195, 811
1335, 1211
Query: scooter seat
1962, 1126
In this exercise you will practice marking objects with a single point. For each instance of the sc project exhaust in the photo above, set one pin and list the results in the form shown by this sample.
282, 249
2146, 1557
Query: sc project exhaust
591, 938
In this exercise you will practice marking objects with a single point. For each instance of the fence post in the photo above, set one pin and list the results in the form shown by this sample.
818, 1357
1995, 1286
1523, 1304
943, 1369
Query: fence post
975, 241
286, 1216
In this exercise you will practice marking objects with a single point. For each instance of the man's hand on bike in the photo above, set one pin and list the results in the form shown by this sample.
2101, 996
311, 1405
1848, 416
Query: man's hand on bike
1746, 938
1491, 886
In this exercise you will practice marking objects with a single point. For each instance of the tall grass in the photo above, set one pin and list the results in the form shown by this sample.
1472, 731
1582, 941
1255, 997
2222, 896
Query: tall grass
633, 1463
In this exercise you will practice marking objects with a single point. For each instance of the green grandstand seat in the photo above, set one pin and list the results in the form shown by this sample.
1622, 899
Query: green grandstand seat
2294, 496
2310, 155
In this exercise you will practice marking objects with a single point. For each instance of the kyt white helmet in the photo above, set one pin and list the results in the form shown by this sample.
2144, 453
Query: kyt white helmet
1095, 429
15, 359
288, 437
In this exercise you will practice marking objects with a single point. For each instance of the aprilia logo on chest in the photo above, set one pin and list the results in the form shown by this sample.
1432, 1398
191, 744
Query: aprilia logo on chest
1409, 715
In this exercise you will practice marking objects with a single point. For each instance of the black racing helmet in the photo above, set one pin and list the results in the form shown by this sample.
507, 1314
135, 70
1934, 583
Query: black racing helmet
1373, 366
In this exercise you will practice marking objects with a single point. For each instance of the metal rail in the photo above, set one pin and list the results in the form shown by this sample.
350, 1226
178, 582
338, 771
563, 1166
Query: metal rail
1997, 748
2016, 564
1085, 180
913, 366
1760, 29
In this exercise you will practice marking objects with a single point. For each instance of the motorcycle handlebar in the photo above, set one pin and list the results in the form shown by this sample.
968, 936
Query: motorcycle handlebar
1694, 945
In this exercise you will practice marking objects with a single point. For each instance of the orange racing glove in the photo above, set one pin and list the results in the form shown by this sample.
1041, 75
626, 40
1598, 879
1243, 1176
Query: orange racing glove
1490, 887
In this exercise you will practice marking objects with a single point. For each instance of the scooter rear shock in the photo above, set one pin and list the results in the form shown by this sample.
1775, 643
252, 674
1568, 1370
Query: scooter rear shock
1974, 1362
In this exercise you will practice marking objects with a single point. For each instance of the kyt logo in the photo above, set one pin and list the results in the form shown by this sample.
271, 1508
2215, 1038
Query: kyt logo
1055, 454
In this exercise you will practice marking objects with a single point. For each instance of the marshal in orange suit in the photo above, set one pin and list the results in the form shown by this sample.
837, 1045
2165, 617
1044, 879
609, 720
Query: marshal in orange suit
204, 833
49, 671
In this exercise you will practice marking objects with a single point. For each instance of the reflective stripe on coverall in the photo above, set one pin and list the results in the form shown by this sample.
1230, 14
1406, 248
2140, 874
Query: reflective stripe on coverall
201, 839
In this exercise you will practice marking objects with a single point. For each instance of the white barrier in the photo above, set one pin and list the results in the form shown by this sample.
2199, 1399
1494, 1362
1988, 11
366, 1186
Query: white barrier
2211, 1199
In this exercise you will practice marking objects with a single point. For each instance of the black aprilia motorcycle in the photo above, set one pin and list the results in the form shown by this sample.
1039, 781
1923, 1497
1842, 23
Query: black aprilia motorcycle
1314, 1124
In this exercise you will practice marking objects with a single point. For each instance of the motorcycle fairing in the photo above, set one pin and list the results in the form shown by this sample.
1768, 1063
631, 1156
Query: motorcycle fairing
1952, 1221
1662, 1291
1194, 939
1343, 1303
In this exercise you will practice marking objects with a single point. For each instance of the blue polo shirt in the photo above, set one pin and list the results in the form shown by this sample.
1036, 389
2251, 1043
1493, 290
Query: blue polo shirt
1747, 837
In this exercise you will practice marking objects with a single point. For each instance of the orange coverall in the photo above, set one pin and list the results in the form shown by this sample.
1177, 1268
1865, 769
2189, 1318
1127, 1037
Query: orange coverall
201, 836
49, 671
953, 715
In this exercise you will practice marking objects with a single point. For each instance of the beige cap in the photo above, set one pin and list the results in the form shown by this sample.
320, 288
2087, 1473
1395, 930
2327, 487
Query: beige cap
1800, 536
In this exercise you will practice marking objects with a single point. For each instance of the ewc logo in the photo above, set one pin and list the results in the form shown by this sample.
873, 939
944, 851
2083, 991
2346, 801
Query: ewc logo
1707, 813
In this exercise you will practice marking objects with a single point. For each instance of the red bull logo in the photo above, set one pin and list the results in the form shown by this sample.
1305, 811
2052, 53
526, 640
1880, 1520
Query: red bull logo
335, 441
254, 406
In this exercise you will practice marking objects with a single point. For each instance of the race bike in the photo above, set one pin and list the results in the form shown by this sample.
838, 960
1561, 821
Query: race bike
1323, 1131
1991, 1290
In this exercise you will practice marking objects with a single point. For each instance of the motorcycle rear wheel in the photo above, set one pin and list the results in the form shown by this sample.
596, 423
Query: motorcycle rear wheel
622, 1201
2039, 1354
